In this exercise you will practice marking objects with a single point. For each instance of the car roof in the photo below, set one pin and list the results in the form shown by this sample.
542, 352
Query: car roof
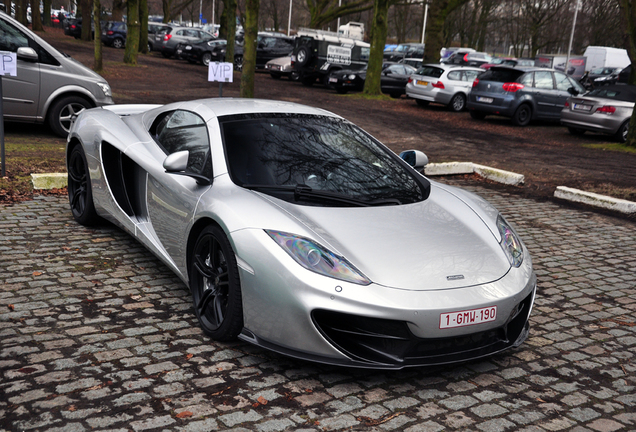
446, 66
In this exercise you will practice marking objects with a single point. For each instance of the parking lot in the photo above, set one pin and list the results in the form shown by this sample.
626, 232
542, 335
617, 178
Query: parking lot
97, 334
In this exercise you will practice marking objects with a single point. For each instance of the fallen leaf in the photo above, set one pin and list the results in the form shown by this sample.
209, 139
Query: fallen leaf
189, 356
36, 273
262, 400
11, 307
184, 414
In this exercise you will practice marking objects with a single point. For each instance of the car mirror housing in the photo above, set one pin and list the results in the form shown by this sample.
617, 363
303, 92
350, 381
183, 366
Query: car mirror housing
415, 158
573, 91
27, 54
176, 162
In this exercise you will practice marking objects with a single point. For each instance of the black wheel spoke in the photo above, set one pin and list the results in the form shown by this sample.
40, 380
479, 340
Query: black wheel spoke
218, 309
204, 301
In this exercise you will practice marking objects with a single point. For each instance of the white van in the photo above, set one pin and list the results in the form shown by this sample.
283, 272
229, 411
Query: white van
601, 57
50, 87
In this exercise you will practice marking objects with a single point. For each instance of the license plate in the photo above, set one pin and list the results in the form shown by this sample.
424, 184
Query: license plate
484, 99
333, 80
468, 317
422, 83
582, 107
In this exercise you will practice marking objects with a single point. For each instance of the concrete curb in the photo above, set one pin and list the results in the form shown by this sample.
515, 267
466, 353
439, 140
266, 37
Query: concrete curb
494, 174
49, 181
596, 200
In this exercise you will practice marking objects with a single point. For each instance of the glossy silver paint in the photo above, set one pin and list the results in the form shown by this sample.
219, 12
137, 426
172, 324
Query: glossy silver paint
423, 259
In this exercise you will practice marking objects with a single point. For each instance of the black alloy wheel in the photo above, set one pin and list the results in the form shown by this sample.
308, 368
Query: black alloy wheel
80, 195
523, 115
215, 286
206, 58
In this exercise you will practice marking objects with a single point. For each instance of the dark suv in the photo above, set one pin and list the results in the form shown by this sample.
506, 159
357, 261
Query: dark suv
523, 94
269, 46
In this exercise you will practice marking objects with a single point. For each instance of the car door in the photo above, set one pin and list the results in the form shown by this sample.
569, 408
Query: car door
544, 94
172, 198
561, 93
21, 93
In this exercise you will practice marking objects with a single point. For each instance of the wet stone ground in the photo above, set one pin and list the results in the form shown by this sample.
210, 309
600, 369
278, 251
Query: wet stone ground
97, 334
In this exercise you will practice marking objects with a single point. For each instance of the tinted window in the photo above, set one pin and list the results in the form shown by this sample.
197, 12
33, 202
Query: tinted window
431, 71
11, 38
622, 93
501, 75
326, 154
183, 130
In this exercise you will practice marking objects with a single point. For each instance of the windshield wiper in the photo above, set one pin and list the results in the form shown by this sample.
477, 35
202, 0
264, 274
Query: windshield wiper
302, 191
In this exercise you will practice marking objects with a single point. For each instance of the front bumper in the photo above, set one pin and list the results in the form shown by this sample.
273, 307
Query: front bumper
304, 315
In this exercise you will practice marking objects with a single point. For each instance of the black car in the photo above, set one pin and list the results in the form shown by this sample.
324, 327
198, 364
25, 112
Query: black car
623, 76
269, 46
402, 51
73, 27
393, 80
522, 94
114, 34
205, 51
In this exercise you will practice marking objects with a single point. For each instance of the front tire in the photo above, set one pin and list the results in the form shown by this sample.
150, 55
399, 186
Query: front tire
522, 116
63, 113
118, 43
215, 285
206, 58
80, 194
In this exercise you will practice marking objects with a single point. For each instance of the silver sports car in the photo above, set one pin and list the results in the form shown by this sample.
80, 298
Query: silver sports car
297, 231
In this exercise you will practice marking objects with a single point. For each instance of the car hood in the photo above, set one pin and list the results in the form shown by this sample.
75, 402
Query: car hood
440, 243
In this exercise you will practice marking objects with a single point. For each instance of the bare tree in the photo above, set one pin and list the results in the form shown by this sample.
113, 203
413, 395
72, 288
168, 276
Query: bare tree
249, 48
323, 11
379, 30
86, 8
438, 12
97, 11
132, 35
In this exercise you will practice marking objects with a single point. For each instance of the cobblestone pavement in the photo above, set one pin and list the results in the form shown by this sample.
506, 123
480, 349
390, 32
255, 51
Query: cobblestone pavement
97, 334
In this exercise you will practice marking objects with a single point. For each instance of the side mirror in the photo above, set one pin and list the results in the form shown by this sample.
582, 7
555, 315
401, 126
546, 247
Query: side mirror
415, 158
27, 53
177, 163
573, 91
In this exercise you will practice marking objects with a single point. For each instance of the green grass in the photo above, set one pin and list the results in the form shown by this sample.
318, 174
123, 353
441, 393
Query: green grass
612, 147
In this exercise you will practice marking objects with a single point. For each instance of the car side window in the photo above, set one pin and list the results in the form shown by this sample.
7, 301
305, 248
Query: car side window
454, 75
543, 80
562, 81
180, 130
526, 79
470, 75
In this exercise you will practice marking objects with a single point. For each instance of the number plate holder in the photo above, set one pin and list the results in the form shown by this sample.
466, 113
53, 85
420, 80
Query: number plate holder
467, 317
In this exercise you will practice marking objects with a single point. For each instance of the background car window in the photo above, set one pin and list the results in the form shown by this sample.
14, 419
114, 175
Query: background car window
431, 71
526, 80
543, 80
454, 75
11, 38
183, 130
501, 75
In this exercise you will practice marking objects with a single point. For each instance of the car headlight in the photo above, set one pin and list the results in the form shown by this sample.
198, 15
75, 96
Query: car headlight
105, 88
352, 76
316, 258
510, 242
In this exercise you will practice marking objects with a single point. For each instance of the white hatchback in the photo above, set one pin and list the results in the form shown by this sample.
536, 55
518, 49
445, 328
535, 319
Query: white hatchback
441, 83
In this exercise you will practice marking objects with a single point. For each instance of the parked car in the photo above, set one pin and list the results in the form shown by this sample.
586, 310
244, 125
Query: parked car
606, 110
73, 27
264, 209
114, 34
205, 51
600, 76
508, 61
523, 94
281, 67
392, 81
442, 83
173, 40
406, 50
415, 62
51, 87
444, 53
155, 28
268, 47
464, 58
623, 76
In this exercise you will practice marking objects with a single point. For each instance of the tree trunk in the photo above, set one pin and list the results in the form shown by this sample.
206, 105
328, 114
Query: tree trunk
249, 48
20, 11
228, 28
438, 12
143, 29
118, 10
46, 15
97, 10
379, 30
628, 9
36, 19
132, 37
87, 28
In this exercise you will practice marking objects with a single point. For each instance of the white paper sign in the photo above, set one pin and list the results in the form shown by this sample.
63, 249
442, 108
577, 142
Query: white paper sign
8, 63
223, 72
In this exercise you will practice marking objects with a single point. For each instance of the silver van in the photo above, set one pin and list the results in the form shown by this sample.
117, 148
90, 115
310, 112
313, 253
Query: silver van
50, 87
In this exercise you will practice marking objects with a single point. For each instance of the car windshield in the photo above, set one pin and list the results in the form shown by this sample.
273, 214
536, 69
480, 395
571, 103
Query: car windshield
316, 160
